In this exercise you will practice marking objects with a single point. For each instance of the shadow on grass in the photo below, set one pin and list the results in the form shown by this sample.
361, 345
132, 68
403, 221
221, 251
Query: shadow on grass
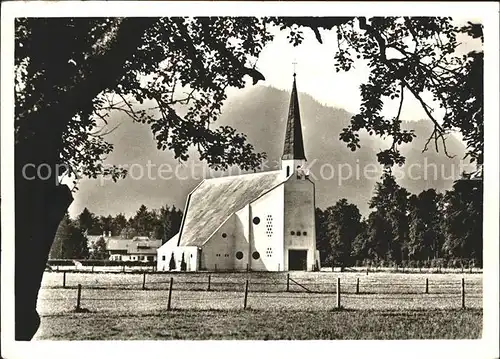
82, 310
236, 311
342, 309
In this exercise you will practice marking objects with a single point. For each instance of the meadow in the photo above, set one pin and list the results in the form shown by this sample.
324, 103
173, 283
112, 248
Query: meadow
300, 305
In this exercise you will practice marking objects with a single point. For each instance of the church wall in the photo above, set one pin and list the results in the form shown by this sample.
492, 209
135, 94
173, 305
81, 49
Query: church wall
267, 235
300, 217
290, 166
241, 238
165, 254
218, 252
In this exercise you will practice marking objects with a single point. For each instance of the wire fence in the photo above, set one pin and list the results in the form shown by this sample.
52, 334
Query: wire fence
95, 266
154, 291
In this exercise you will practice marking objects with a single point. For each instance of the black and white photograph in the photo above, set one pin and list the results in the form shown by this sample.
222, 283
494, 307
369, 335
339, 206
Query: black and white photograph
253, 173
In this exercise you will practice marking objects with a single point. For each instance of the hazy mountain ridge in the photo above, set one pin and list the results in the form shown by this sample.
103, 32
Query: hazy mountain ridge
261, 113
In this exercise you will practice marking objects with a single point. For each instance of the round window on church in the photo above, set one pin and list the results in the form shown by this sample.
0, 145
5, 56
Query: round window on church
304, 233
298, 233
239, 255
255, 255
224, 235
256, 220
292, 233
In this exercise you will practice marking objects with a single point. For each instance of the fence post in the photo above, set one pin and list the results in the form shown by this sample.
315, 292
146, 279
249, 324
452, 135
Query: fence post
246, 295
144, 281
366, 270
64, 279
169, 303
123, 268
209, 279
463, 293
78, 297
426, 285
357, 285
338, 292
288, 282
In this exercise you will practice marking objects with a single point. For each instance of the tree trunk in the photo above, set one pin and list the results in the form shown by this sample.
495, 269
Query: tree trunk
41, 204
39, 208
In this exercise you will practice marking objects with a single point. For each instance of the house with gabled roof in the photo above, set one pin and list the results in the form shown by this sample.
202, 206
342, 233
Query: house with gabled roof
137, 249
260, 222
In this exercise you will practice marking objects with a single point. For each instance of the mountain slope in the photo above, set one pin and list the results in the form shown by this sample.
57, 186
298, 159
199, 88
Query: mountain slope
260, 113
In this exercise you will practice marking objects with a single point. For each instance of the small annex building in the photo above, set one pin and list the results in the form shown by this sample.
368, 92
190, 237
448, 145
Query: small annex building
137, 249
259, 222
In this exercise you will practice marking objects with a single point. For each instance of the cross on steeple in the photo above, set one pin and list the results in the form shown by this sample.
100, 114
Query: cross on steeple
294, 63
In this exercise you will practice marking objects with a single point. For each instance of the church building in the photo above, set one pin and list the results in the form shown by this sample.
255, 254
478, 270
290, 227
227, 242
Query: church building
257, 222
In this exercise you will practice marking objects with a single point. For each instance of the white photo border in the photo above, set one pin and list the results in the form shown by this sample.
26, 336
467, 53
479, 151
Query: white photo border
487, 347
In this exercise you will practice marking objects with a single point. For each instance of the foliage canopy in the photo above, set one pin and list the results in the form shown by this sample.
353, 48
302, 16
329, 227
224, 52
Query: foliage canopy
148, 67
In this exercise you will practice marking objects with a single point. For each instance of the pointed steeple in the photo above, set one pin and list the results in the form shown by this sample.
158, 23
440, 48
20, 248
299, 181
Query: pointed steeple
294, 144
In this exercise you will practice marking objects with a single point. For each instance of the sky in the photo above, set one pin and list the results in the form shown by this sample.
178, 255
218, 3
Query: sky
316, 74
315, 69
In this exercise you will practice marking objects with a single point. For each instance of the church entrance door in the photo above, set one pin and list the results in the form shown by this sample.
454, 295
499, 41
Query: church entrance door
297, 259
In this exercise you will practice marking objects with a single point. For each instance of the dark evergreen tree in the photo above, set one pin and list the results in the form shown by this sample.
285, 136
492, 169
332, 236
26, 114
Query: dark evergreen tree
70, 242
379, 236
99, 250
119, 223
322, 240
63, 231
183, 263
463, 221
343, 226
143, 221
425, 236
106, 224
362, 249
391, 204
128, 232
89, 222
172, 219
171, 264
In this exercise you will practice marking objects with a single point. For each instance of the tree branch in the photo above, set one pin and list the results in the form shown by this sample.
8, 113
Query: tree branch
401, 102
383, 57
105, 71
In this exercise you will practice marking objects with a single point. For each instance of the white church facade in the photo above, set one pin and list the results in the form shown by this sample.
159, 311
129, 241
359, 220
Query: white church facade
258, 222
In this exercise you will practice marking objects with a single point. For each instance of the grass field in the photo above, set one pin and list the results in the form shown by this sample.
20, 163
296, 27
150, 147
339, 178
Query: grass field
265, 325
388, 306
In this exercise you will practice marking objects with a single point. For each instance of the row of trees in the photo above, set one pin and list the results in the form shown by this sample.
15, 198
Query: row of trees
160, 223
402, 227
405, 228
71, 73
71, 236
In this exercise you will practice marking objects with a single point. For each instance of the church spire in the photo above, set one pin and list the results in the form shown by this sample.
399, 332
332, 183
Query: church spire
294, 144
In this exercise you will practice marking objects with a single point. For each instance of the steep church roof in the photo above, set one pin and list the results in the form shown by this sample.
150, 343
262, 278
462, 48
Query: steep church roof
294, 144
216, 199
